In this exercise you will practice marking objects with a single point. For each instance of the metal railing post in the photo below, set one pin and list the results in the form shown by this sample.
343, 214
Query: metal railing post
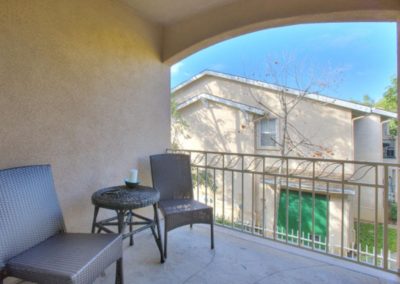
385, 216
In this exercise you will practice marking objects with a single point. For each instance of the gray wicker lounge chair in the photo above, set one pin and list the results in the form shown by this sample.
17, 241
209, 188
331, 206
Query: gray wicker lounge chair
172, 177
33, 242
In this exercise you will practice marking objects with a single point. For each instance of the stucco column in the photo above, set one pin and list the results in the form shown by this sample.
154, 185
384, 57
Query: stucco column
398, 145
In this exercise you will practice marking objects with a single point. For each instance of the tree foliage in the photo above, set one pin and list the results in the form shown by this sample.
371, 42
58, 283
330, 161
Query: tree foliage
389, 102
389, 99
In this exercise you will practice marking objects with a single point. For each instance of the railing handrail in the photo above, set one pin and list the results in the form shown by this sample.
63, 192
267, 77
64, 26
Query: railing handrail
289, 157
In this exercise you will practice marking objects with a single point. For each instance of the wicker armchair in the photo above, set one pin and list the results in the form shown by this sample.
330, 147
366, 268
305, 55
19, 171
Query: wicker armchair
33, 242
172, 176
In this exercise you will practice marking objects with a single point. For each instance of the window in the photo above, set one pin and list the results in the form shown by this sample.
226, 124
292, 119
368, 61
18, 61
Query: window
392, 186
267, 132
389, 149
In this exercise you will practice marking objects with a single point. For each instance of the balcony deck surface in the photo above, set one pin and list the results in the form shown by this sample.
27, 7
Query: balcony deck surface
237, 258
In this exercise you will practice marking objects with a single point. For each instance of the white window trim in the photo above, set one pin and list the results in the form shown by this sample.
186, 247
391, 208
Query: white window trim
258, 134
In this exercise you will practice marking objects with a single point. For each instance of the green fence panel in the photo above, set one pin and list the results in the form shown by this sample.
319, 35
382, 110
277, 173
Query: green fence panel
306, 213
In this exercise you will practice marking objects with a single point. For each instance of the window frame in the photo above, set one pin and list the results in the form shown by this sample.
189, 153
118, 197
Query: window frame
258, 134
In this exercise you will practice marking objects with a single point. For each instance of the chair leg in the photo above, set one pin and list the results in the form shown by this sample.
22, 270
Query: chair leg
165, 240
191, 226
130, 228
96, 211
119, 273
158, 237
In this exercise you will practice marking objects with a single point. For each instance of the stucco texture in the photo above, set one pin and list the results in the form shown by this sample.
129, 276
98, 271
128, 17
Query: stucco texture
309, 118
83, 89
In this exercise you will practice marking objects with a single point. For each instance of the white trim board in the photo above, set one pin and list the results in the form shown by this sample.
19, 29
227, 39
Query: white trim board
240, 106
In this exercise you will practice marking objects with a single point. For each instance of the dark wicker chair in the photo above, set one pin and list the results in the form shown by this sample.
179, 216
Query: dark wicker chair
172, 176
33, 242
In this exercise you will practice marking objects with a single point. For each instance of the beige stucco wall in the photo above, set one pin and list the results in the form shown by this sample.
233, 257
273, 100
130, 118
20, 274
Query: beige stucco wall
82, 88
324, 125
216, 127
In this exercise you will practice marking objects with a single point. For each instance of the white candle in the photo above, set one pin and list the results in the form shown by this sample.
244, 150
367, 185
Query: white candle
134, 174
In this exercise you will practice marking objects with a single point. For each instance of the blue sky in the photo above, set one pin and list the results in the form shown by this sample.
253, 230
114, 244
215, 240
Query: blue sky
364, 53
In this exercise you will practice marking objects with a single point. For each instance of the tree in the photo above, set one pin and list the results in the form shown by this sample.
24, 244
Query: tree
307, 81
367, 101
389, 102
389, 99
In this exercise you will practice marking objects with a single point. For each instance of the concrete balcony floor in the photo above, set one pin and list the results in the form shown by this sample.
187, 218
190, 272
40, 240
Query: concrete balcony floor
237, 258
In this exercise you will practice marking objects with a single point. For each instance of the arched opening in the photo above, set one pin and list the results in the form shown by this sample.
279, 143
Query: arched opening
351, 252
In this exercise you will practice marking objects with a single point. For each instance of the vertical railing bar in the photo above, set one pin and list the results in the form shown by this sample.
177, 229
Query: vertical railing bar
342, 218
385, 217
242, 200
233, 199
328, 198
214, 194
223, 189
252, 205
287, 199
198, 187
358, 221
376, 218
313, 207
300, 214
263, 198
206, 178
275, 208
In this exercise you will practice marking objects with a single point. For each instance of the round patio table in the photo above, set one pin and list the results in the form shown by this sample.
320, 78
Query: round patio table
123, 201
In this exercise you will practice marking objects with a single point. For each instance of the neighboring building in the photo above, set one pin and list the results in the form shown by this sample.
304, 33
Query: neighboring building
390, 156
242, 116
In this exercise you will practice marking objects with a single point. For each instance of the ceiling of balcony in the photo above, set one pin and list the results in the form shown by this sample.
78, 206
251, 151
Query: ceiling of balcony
169, 11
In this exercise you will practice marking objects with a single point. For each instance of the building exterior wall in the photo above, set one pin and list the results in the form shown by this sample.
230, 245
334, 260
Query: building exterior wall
326, 126
75, 93
215, 127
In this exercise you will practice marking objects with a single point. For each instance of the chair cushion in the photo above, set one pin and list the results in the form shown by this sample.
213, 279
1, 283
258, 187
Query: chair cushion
179, 212
67, 258
181, 205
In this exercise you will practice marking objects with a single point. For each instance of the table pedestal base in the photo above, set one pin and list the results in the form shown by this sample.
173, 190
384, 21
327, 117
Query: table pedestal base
123, 219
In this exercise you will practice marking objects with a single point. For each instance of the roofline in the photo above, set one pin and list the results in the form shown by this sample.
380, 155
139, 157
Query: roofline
240, 106
316, 97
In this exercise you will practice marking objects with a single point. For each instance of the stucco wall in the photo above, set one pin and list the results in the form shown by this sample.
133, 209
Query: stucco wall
82, 88
215, 127
325, 126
